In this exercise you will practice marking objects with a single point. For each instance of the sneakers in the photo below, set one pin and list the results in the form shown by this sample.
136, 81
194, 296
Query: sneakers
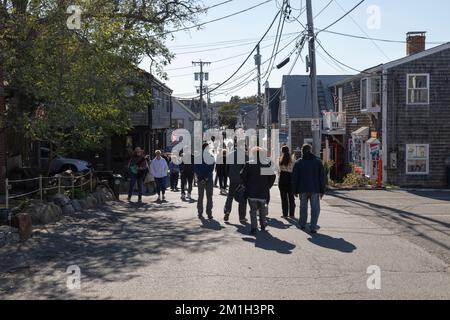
243, 221
183, 197
226, 217
210, 217
189, 196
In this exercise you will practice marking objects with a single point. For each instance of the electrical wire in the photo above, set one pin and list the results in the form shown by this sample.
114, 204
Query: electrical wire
250, 54
346, 14
215, 20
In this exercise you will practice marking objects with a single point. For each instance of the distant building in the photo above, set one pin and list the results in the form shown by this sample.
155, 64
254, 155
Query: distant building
247, 116
182, 118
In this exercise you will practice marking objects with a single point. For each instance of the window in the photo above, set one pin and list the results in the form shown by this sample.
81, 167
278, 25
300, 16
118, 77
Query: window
418, 89
177, 123
417, 159
370, 93
283, 113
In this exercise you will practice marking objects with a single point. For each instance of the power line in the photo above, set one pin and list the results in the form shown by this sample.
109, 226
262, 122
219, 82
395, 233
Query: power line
346, 14
374, 39
215, 20
363, 31
323, 9
248, 57
338, 61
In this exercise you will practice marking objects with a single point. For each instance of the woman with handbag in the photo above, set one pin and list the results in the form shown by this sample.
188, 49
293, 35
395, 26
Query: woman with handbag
138, 168
285, 181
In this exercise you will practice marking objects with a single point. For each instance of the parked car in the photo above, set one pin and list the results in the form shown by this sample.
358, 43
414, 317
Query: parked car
61, 164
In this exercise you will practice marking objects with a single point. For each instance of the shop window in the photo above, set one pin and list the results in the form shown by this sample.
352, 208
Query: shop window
417, 159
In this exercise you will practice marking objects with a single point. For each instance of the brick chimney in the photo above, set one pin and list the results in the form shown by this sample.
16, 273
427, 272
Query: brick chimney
415, 42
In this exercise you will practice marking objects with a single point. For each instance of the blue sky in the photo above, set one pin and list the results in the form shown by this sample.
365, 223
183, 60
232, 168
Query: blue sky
397, 18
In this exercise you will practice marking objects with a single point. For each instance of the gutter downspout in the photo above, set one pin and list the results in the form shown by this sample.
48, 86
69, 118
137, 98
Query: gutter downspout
384, 117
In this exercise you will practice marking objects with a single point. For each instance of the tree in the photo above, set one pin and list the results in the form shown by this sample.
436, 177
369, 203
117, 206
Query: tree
69, 87
229, 112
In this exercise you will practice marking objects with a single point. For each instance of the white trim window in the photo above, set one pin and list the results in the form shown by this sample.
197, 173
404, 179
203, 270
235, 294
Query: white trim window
417, 159
418, 89
371, 94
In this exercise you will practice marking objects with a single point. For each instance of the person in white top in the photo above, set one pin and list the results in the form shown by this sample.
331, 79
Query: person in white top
159, 169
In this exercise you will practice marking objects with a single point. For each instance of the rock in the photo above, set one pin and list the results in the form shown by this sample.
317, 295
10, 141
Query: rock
84, 204
61, 200
68, 210
91, 201
45, 214
23, 222
8, 235
77, 205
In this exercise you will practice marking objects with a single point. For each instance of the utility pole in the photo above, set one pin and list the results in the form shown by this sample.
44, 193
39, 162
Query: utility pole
202, 76
317, 145
258, 64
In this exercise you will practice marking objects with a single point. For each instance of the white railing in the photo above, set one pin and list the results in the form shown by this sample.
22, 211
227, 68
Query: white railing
334, 121
74, 184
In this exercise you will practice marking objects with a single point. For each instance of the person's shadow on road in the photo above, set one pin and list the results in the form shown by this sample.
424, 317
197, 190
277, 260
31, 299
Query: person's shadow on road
274, 223
266, 241
211, 224
331, 243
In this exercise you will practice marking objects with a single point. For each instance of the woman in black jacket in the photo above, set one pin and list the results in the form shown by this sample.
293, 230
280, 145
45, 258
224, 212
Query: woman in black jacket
286, 166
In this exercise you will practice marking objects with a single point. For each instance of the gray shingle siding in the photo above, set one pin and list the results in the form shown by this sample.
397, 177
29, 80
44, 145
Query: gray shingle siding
421, 124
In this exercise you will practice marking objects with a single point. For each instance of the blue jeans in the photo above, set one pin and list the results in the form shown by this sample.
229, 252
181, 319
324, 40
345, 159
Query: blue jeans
160, 185
314, 199
135, 179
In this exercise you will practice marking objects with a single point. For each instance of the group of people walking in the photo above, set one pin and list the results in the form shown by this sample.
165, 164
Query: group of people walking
250, 175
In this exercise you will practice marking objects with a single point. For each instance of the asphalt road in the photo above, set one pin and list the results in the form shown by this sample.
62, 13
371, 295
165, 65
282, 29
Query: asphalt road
152, 251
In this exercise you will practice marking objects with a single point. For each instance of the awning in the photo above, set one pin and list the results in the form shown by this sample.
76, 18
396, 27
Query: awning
362, 132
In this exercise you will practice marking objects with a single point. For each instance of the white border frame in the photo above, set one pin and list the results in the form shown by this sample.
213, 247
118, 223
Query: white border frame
407, 89
428, 160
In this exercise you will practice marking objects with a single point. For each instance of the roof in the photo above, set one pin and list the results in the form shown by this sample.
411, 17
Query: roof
362, 132
396, 63
184, 107
297, 94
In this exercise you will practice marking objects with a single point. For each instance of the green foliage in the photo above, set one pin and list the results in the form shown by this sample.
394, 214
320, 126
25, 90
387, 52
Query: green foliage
355, 180
229, 112
68, 87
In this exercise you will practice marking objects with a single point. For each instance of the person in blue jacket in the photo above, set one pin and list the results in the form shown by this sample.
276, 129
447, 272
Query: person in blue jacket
204, 168
308, 181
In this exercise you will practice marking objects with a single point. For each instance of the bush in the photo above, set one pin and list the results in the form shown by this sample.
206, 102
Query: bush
355, 180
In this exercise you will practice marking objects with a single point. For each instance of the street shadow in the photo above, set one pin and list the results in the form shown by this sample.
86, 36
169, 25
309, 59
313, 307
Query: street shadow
242, 229
331, 243
277, 224
398, 216
211, 224
108, 244
264, 240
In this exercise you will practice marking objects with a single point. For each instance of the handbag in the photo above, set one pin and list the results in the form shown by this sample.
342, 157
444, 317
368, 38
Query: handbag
240, 193
149, 178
